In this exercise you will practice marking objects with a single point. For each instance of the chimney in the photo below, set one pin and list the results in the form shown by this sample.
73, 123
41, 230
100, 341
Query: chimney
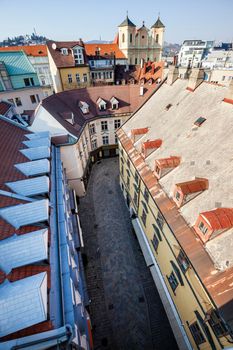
195, 79
141, 91
172, 75
229, 94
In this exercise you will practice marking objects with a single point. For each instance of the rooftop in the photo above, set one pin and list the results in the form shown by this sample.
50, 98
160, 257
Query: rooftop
16, 62
63, 61
30, 50
104, 50
127, 23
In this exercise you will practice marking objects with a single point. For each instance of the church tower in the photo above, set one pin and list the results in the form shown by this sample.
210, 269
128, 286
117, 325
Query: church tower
126, 35
157, 35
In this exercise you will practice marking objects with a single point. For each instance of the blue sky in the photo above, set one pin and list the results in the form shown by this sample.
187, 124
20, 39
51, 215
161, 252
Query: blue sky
92, 19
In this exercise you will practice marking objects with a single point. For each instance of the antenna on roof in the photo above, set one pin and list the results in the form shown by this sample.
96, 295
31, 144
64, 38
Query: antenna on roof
158, 14
127, 12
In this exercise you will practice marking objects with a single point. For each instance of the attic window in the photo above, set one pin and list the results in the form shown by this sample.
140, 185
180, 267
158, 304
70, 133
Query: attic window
203, 228
64, 51
200, 121
40, 52
84, 107
168, 106
102, 104
114, 103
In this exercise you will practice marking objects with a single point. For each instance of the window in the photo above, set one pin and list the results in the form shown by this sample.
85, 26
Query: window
69, 78
135, 198
93, 144
64, 51
11, 100
217, 324
128, 163
136, 178
18, 101
33, 98
38, 98
32, 81
116, 139
173, 281
117, 123
27, 81
123, 37
110, 75
131, 38
196, 333
155, 242
223, 78
92, 128
143, 36
77, 76
157, 38
178, 196
122, 170
183, 261
200, 121
128, 181
146, 195
105, 140
160, 220
157, 232
85, 77
136, 60
104, 125
202, 228
143, 217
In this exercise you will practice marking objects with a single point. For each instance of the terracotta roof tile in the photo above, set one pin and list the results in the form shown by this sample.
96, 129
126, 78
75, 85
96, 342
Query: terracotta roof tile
140, 131
152, 144
29, 270
105, 50
30, 50
219, 219
4, 107
63, 61
197, 185
170, 162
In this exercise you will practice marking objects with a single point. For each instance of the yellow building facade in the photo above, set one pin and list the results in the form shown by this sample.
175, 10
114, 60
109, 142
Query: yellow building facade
197, 312
74, 78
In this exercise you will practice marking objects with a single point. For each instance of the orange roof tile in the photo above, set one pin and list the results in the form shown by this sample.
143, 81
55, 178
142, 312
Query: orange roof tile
140, 131
219, 219
152, 144
170, 162
105, 49
197, 185
30, 50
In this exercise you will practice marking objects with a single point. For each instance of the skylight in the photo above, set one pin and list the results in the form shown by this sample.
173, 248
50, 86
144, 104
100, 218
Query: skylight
200, 121
26, 214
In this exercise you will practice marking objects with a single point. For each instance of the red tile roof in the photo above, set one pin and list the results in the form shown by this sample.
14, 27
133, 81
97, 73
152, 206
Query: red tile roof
68, 101
197, 185
63, 61
170, 162
105, 50
30, 50
151, 70
140, 131
219, 219
4, 107
152, 144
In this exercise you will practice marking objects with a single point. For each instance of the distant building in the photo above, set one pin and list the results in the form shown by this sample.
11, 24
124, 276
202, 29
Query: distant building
90, 117
218, 59
42, 285
19, 83
38, 56
141, 43
102, 59
192, 52
176, 170
68, 64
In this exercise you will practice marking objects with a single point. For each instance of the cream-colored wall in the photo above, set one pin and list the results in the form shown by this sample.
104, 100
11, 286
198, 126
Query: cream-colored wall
24, 95
217, 75
73, 70
191, 296
57, 85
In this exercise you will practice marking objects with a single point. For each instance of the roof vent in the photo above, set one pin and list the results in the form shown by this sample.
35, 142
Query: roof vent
208, 162
185, 191
192, 162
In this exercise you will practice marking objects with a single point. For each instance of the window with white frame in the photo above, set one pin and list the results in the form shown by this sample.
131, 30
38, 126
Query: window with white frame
105, 140
117, 123
77, 76
69, 78
64, 51
104, 125
85, 77
101, 103
78, 56
93, 144
92, 128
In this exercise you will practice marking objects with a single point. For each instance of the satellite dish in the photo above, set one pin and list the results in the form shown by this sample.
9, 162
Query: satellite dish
54, 46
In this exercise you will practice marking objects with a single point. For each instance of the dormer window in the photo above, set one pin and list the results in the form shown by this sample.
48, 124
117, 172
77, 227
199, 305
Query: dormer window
164, 165
84, 107
114, 103
78, 55
211, 223
185, 191
68, 117
101, 104
150, 146
137, 133
64, 51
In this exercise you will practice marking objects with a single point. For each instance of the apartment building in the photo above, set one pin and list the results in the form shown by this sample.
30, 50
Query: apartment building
42, 285
175, 173
68, 64
38, 56
19, 83
192, 52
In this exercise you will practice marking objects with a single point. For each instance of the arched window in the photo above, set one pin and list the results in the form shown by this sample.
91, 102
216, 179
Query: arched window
157, 38
123, 37
131, 38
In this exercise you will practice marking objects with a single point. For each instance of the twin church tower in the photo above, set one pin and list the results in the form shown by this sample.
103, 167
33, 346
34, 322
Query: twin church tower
142, 43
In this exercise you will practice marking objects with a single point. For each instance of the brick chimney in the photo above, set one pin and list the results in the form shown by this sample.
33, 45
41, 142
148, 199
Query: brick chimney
173, 74
195, 79
229, 94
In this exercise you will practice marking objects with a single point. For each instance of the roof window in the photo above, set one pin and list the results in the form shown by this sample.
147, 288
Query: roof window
200, 121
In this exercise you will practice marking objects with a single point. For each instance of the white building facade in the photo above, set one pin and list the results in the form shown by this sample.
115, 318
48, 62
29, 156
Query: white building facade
192, 52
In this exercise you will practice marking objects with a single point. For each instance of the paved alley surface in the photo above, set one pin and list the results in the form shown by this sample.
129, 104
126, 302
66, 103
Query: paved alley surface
126, 311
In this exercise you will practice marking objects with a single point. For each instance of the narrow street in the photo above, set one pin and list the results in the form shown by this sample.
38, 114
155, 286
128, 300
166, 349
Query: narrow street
125, 309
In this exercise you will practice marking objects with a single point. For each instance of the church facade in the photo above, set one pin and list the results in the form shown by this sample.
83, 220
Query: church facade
141, 44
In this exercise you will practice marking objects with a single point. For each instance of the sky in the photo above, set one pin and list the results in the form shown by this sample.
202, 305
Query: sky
95, 19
